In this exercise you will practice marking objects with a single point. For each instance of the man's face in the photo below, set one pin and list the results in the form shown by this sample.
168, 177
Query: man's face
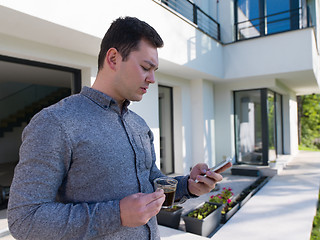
136, 73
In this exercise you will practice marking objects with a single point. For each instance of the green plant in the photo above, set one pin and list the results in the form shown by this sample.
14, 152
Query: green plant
173, 209
228, 207
315, 233
224, 198
203, 212
304, 148
309, 120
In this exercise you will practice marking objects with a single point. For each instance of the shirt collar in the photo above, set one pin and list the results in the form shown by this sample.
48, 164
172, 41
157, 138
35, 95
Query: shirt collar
103, 99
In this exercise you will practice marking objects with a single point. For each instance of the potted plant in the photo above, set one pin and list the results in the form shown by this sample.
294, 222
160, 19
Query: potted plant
224, 197
229, 207
272, 163
170, 217
229, 210
204, 219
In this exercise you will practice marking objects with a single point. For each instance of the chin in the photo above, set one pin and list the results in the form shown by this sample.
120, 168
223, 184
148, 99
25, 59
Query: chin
136, 99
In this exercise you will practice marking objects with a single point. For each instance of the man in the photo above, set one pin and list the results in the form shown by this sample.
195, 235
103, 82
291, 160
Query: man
87, 163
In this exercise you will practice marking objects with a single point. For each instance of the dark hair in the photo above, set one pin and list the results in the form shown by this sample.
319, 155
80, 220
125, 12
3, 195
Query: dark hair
124, 35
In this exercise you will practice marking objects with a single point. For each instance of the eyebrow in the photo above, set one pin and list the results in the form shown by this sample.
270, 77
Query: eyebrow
151, 64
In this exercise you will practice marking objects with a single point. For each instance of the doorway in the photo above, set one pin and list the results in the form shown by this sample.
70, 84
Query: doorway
166, 130
25, 88
258, 126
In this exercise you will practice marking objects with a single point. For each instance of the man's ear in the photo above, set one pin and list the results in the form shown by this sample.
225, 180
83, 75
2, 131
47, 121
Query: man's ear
111, 58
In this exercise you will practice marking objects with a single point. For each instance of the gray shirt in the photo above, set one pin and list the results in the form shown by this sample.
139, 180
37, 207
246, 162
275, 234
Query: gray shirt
78, 159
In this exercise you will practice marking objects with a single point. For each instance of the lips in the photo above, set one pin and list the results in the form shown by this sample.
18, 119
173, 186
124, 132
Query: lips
144, 89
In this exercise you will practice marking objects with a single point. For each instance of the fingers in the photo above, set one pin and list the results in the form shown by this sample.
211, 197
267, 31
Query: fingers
204, 184
199, 169
137, 209
155, 201
152, 197
210, 179
213, 176
203, 167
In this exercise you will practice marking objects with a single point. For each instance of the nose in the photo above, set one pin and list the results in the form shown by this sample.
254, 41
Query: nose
151, 77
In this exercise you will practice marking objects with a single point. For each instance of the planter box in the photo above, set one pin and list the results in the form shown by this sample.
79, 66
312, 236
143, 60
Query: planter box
225, 217
247, 193
244, 197
260, 183
170, 217
204, 226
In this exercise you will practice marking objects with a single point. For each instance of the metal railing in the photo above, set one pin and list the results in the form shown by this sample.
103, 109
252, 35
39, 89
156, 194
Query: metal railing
274, 23
192, 12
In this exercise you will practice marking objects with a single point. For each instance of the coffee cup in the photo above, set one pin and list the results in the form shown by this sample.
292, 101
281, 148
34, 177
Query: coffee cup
169, 186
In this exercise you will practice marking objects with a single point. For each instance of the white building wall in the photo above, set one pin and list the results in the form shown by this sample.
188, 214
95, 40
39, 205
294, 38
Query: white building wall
182, 115
93, 18
197, 120
224, 130
202, 100
202, 71
290, 124
226, 20
208, 124
293, 115
279, 53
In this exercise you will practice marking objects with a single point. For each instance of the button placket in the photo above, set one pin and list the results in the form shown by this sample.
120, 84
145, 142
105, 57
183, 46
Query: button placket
136, 152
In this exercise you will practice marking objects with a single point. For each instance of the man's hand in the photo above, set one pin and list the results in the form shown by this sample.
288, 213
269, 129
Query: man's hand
137, 209
205, 184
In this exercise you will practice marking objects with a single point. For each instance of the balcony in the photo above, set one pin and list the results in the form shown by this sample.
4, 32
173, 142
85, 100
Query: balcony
283, 21
195, 14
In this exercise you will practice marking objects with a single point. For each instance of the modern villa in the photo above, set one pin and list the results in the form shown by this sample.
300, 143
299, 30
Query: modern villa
229, 73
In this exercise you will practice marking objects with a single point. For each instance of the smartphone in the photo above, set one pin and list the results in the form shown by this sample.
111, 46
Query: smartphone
218, 167
221, 165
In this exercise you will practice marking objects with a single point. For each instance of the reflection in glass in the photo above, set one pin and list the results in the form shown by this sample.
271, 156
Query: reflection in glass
248, 18
271, 128
248, 126
279, 131
258, 126
255, 18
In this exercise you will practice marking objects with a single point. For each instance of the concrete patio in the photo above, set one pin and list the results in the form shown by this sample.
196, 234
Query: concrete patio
283, 209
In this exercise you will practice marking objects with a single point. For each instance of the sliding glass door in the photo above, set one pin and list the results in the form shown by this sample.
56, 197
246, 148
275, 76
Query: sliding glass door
258, 126
248, 126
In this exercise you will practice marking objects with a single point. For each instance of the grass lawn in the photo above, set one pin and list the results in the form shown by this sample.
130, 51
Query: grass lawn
315, 233
309, 149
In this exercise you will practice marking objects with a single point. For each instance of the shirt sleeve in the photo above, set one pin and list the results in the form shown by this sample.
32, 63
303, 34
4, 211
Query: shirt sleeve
33, 209
182, 187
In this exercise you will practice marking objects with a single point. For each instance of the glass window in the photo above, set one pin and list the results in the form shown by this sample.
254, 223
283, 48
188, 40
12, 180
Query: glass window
166, 129
278, 16
271, 126
258, 126
262, 17
279, 131
248, 18
248, 127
